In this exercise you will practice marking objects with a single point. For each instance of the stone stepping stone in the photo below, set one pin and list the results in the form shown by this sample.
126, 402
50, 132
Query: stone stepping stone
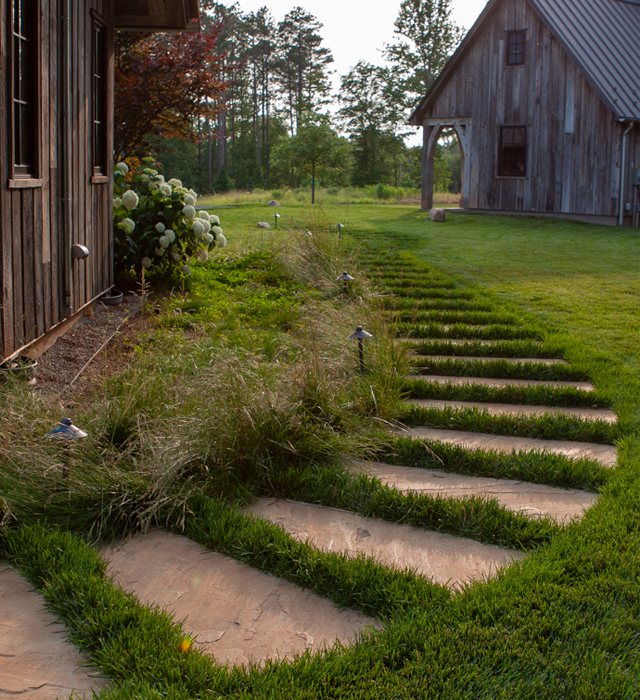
236, 613
534, 500
503, 383
36, 663
511, 360
446, 559
606, 455
508, 409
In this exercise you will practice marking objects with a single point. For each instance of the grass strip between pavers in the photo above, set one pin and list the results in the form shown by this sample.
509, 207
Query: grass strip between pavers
477, 518
539, 395
552, 426
498, 369
359, 583
403, 303
474, 318
464, 332
476, 348
431, 293
534, 467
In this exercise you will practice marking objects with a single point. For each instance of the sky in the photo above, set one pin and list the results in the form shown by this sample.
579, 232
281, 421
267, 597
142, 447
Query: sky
357, 30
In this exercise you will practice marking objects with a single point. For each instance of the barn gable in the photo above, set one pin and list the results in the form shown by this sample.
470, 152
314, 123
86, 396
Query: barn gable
565, 114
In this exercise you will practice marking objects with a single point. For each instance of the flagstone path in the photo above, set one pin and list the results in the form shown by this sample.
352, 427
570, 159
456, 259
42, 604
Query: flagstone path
236, 613
36, 662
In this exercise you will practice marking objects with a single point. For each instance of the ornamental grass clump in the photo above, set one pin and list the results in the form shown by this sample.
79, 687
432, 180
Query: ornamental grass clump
156, 225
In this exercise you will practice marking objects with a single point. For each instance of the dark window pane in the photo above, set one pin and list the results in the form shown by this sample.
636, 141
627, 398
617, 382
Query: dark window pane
515, 48
512, 153
23, 89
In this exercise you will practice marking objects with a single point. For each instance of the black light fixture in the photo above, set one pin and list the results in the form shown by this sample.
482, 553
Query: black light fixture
345, 277
276, 216
67, 432
359, 335
339, 226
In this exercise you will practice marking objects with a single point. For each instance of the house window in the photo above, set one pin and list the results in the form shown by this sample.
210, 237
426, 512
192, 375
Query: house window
515, 48
99, 97
512, 153
24, 82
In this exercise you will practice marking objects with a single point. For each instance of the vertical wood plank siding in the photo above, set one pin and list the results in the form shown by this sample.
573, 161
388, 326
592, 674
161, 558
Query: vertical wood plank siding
31, 237
573, 158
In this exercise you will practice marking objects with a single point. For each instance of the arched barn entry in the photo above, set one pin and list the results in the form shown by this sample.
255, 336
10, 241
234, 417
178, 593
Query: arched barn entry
432, 129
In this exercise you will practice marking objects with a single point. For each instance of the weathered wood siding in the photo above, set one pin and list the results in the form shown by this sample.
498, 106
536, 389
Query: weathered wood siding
32, 254
573, 140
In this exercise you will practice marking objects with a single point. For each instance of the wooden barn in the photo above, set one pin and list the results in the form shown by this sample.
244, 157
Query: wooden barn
56, 148
544, 96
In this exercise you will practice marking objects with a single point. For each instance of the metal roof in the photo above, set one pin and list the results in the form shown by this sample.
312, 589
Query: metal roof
602, 37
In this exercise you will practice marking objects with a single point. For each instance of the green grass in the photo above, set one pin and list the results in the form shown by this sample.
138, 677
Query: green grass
476, 518
463, 331
498, 368
478, 318
402, 303
502, 348
551, 426
534, 467
529, 395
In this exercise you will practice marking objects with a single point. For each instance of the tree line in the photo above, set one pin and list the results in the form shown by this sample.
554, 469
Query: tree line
248, 102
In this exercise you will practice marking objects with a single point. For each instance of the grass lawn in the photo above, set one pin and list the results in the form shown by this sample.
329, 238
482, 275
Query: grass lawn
244, 385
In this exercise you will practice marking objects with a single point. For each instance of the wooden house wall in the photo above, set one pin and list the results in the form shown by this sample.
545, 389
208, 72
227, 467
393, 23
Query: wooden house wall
31, 235
573, 140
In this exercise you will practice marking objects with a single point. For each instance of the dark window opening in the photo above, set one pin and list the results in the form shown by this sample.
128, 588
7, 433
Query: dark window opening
515, 48
99, 98
512, 154
23, 88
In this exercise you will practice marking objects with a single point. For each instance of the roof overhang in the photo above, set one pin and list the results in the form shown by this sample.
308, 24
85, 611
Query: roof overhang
157, 15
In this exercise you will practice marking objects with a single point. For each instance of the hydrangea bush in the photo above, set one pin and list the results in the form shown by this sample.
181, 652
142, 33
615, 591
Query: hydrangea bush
156, 225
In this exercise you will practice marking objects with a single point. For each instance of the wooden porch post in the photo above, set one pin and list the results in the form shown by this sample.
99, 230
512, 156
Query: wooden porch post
427, 168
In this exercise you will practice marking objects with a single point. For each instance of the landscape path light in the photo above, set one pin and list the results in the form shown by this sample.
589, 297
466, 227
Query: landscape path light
67, 432
346, 278
276, 216
359, 335
339, 226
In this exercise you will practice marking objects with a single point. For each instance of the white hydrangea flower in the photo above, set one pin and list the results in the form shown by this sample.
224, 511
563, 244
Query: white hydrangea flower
188, 199
164, 242
144, 178
147, 262
171, 236
214, 219
175, 182
153, 186
197, 228
160, 227
123, 167
217, 230
208, 238
204, 214
127, 225
202, 255
176, 256
160, 252
189, 213
221, 241
180, 190
150, 171
165, 189
117, 202
160, 177
186, 270
193, 193
206, 224
130, 199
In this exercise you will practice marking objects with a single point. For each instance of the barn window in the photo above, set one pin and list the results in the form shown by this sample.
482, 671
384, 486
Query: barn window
24, 88
515, 48
99, 97
512, 154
